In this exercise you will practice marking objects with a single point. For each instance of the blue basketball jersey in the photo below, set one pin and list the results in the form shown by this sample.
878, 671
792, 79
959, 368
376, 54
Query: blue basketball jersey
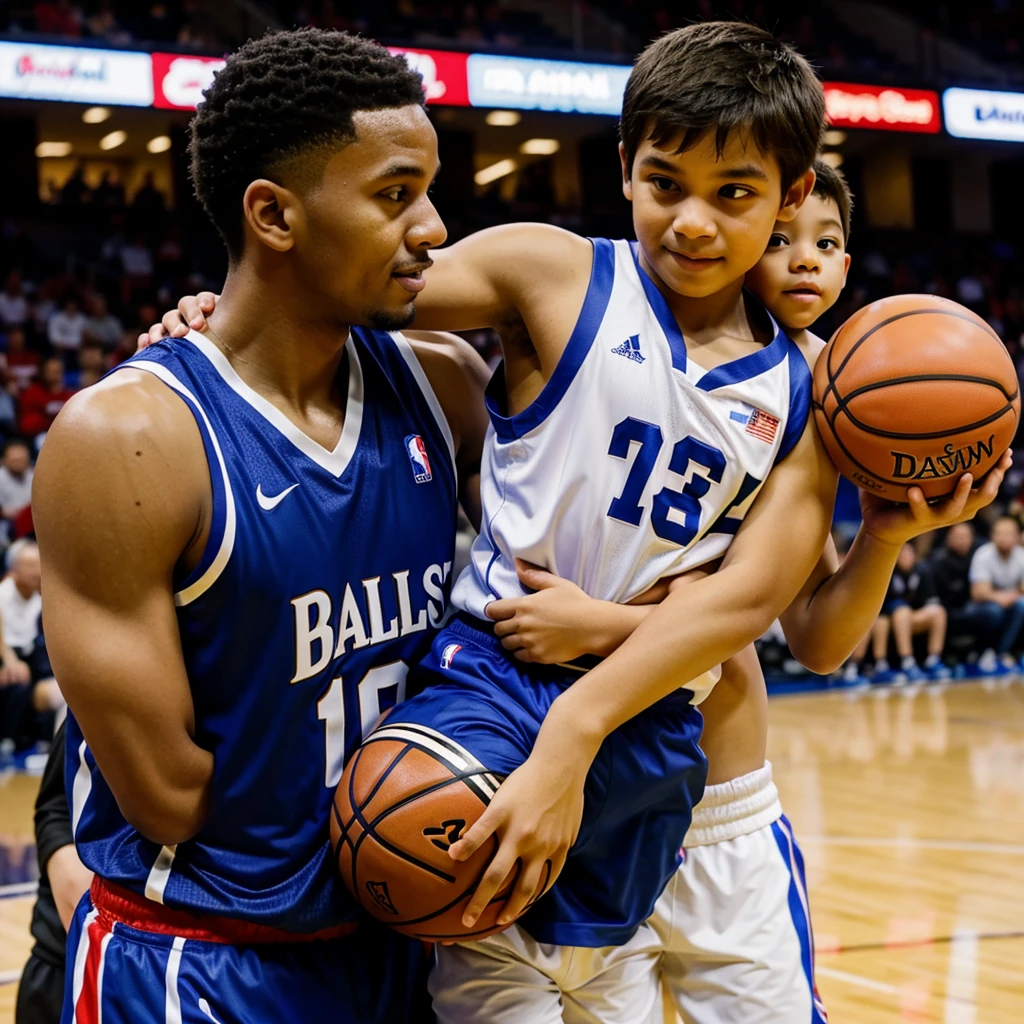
324, 577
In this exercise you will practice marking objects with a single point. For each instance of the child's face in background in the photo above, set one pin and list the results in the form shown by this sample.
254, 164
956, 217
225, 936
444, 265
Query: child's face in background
803, 270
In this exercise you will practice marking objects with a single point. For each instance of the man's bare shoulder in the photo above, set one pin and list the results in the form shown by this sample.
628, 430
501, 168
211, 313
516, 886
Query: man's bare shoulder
122, 405
458, 377
127, 457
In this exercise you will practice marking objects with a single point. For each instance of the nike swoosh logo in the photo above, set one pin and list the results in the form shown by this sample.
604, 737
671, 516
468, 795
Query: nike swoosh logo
269, 504
204, 1006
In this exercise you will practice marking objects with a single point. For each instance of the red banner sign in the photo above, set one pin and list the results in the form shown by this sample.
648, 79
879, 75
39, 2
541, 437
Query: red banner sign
444, 74
882, 107
179, 81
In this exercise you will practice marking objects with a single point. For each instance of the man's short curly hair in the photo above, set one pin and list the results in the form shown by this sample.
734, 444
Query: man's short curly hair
276, 98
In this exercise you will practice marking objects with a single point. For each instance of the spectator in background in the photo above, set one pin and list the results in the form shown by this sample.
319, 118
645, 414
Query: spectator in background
41, 402
951, 568
15, 696
15, 478
21, 604
74, 191
102, 326
137, 264
8, 414
149, 200
66, 328
22, 364
912, 606
109, 192
14, 308
92, 363
997, 584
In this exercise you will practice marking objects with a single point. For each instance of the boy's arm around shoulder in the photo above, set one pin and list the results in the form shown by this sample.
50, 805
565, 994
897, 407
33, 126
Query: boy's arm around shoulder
120, 494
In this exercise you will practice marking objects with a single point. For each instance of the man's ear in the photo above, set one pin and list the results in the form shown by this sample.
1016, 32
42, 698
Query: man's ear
627, 184
846, 267
796, 196
271, 213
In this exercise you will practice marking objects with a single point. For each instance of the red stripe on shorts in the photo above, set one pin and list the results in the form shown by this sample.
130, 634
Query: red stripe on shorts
87, 1009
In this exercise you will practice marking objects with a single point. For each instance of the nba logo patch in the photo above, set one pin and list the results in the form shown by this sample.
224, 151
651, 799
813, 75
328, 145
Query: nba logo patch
418, 457
448, 655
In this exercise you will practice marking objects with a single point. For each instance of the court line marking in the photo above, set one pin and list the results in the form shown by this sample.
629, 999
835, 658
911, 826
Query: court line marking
10, 977
932, 940
8, 892
910, 842
856, 979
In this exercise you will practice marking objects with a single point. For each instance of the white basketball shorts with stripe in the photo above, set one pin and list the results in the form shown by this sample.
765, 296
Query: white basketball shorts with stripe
734, 922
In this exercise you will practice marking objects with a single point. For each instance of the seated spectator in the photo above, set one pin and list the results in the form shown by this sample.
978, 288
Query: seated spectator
66, 328
997, 584
43, 400
58, 18
102, 326
912, 606
8, 414
951, 568
14, 308
109, 192
92, 364
15, 478
20, 609
22, 364
15, 696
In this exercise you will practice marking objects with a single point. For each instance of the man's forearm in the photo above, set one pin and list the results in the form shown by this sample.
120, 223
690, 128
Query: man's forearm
824, 633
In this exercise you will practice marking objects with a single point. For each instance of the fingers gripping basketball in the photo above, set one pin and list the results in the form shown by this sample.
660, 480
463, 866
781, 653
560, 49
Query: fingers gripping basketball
405, 798
915, 390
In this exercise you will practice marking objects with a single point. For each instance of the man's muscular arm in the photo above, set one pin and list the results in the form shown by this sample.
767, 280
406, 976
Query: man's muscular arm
121, 493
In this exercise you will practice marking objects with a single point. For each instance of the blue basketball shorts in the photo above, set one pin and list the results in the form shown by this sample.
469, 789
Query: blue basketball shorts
639, 794
118, 973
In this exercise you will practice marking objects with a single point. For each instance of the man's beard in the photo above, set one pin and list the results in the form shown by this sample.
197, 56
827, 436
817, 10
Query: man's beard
382, 320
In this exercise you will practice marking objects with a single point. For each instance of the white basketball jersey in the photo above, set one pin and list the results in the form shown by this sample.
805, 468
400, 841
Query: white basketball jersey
633, 463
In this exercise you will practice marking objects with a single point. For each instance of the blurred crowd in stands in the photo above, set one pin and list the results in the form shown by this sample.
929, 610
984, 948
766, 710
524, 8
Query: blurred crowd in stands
991, 29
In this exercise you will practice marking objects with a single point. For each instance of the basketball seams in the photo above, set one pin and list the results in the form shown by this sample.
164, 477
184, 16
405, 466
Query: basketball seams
834, 377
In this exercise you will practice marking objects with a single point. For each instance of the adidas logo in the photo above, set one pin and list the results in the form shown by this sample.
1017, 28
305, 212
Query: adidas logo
630, 348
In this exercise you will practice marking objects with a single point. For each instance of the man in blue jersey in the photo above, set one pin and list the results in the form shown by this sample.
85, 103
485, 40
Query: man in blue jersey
246, 539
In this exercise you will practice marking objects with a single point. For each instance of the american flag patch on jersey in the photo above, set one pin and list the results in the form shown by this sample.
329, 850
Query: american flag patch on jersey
762, 425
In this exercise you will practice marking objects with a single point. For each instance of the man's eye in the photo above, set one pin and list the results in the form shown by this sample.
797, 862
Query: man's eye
663, 184
827, 243
735, 192
396, 194
777, 241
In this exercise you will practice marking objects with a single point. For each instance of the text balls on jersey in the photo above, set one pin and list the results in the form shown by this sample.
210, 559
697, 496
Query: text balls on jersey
915, 390
403, 800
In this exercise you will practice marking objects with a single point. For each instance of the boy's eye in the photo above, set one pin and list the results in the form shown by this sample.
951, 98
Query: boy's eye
662, 184
777, 241
827, 243
395, 194
735, 192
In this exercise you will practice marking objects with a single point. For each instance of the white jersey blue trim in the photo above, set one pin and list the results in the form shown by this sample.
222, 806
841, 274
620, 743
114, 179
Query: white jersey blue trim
633, 463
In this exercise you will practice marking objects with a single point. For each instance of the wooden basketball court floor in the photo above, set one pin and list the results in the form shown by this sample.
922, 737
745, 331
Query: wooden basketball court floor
909, 806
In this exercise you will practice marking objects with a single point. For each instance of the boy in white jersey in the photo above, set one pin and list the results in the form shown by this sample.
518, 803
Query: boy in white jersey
734, 921
720, 126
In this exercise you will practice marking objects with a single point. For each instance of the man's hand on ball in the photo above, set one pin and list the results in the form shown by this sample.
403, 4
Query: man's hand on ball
892, 523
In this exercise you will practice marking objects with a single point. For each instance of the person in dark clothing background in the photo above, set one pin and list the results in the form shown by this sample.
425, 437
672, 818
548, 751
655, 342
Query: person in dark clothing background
62, 881
951, 568
912, 606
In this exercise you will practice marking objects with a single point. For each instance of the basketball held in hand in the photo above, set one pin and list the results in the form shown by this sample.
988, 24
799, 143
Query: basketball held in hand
405, 797
915, 391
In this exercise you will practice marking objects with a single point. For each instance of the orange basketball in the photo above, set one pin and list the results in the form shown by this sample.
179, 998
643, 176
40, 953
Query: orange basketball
402, 801
915, 390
